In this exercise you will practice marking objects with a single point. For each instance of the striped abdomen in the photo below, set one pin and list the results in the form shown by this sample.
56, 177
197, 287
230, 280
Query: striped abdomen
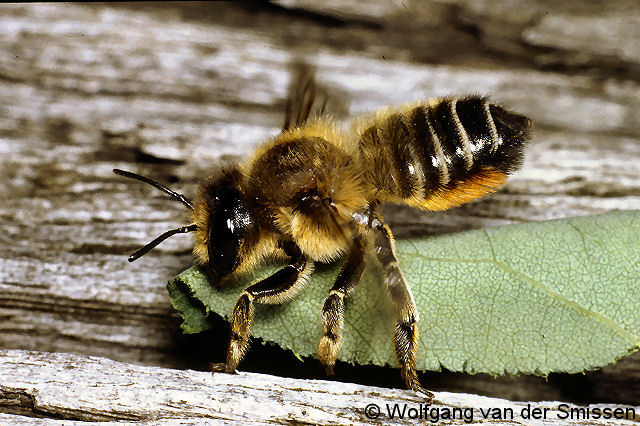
442, 153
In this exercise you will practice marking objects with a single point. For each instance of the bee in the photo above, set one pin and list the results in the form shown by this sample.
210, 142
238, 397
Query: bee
312, 193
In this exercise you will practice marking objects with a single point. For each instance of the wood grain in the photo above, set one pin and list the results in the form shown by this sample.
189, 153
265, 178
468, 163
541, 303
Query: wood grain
171, 90
57, 388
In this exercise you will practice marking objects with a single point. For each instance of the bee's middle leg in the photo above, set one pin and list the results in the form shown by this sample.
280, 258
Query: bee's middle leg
275, 289
333, 308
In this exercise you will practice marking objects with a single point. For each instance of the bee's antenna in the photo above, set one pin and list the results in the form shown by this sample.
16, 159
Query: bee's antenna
144, 250
158, 185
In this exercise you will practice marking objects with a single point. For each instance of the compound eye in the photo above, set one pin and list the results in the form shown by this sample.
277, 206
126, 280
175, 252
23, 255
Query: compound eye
230, 223
224, 240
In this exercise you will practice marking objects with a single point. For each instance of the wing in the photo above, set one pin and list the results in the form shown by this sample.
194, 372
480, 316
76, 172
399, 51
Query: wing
308, 99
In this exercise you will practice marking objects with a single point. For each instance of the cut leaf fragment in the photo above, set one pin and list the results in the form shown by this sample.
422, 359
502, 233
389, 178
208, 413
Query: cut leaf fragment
556, 296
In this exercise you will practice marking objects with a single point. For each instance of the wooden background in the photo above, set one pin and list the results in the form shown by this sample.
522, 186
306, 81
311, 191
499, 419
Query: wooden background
168, 90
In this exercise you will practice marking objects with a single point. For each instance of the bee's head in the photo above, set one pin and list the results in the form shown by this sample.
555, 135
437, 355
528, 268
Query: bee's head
226, 227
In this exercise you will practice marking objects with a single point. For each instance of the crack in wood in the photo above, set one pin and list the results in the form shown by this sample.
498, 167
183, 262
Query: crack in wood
22, 403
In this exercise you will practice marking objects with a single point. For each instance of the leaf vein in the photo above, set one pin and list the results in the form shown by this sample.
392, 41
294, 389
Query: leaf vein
564, 300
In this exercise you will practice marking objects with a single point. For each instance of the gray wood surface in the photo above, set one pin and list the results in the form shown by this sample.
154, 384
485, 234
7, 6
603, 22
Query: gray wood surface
49, 388
170, 90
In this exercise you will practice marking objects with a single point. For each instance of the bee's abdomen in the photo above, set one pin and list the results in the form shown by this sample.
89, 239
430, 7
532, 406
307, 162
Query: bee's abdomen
443, 153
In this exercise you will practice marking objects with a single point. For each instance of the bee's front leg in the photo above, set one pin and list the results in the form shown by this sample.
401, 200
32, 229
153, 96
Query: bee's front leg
280, 287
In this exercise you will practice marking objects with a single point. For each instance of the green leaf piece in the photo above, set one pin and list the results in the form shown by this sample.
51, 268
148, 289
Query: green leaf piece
535, 298
190, 309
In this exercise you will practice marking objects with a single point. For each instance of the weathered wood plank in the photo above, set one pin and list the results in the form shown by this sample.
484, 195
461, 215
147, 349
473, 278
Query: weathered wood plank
170, 91
58, 388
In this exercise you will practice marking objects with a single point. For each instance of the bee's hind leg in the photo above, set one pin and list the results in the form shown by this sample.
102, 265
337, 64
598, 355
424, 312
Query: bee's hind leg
333, 308
406, 332
283, 285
